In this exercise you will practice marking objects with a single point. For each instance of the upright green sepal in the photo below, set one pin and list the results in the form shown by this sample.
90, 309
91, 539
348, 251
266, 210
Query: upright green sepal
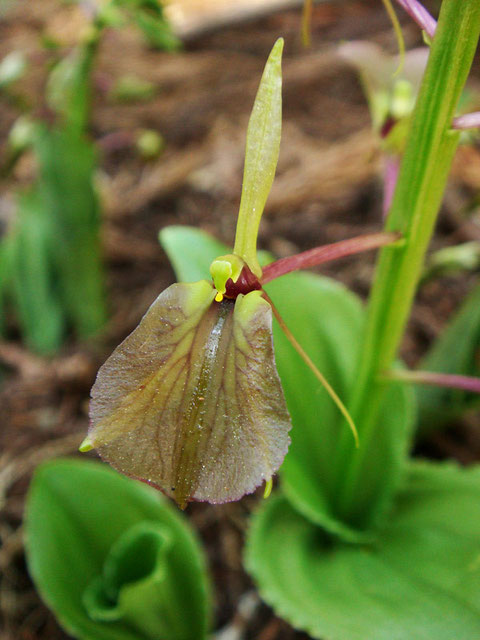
261, 156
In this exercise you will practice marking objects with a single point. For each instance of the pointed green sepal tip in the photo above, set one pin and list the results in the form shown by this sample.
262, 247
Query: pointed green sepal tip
261, 156
268, 488
87, 445
225, 268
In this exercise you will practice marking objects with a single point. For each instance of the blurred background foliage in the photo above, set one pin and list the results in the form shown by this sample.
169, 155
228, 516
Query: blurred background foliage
52, 274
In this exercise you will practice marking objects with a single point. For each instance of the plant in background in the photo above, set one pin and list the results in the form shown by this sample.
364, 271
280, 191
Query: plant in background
111, 558
391, 92
391, 85
51, 270
191, 401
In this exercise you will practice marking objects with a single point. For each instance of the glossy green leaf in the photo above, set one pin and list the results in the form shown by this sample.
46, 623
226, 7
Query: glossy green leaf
111, 558
456, 351
421, 579
327, 320
261, 156
191, 401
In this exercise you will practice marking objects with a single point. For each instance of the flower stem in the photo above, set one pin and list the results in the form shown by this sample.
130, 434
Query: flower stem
421, 16
328, 252
447, 380
467, 121
429, 152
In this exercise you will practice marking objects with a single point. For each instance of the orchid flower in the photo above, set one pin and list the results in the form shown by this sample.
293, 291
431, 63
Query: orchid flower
191, 401
391, 98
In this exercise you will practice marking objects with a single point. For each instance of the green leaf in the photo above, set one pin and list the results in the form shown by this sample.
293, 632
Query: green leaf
34, 288
191, 401
456, 351
55, 276
149, 16
68, 194
111, 558
157, 32
421, 579
190, 251
68, 89
7, 256
327, 320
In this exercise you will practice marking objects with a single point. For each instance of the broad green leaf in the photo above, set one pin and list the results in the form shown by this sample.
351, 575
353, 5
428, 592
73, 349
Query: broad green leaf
261, 156
421, 578
111, 558
327, 320
191, 401
456, 351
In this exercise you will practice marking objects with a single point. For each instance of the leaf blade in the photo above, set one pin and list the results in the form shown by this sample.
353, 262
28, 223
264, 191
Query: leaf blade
418, 581
76, 510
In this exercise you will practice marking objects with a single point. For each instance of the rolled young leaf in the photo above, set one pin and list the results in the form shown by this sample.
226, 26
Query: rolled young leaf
191, 401
112, 558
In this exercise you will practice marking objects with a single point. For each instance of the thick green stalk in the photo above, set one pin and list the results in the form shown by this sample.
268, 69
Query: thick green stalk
428, 156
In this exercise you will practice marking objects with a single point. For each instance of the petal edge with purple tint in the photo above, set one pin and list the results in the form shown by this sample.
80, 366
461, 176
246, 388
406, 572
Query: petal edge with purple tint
191, 401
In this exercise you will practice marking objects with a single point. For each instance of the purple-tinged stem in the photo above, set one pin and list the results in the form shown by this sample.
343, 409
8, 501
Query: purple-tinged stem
421, 16
392, 167
465, 383
328, 252
467, 121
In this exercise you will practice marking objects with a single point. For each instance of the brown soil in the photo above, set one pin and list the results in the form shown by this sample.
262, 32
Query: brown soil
327, 188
